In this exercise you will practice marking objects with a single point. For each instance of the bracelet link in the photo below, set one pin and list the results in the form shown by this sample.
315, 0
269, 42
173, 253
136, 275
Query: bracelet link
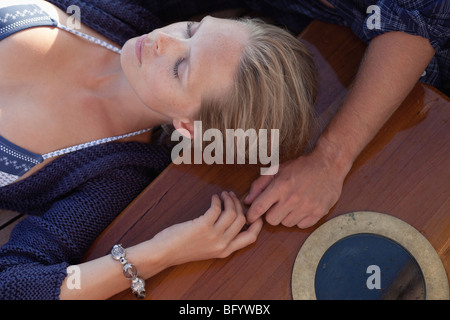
129, 271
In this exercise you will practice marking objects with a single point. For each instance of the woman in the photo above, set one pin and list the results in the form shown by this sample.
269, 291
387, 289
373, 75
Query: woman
70, 95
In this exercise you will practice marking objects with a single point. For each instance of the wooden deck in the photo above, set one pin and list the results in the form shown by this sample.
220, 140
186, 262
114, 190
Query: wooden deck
8, 219
404, 172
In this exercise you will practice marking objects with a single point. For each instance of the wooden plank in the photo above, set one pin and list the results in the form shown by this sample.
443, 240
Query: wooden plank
6, 216
8, 219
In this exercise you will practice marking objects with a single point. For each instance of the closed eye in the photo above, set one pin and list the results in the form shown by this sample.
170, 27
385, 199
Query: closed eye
179, 61
176, 67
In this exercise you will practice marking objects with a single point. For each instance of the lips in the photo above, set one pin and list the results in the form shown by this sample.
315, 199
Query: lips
138, 47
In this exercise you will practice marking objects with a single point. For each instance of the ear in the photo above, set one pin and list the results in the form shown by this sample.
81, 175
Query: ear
184, 127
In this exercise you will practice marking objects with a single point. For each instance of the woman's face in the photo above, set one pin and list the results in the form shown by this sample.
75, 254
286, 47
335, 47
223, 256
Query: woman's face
173, 68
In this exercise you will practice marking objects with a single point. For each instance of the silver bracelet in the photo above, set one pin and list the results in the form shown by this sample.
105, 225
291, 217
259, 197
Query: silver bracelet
129, 271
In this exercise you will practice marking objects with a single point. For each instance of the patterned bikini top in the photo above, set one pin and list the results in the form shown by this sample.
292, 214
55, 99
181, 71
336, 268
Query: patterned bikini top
14, 160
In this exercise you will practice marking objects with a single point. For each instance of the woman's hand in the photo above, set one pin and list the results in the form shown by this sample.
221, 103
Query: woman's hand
215, 234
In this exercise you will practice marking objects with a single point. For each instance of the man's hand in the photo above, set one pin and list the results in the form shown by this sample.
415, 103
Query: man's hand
302, 192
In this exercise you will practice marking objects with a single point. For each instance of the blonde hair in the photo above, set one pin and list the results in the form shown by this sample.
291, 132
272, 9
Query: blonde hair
274, 88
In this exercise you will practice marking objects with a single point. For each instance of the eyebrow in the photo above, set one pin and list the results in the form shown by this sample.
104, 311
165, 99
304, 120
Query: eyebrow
200, 24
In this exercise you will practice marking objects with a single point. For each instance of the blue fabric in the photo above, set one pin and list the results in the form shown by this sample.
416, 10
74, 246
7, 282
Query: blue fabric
69, 203
429, 19
19, 17
15, 160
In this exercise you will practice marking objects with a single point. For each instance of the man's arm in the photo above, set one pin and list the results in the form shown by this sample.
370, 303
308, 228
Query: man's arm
305, 189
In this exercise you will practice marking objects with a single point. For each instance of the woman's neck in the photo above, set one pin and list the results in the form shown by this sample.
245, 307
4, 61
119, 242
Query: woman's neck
124, 108
100, 74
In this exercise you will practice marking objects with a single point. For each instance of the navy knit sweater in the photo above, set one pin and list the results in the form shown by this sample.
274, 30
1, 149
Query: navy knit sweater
70, 202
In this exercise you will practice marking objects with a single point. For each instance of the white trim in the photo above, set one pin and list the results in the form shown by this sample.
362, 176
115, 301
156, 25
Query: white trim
91, 144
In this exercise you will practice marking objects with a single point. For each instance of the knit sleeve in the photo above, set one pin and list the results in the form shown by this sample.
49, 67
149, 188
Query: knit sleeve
33, 263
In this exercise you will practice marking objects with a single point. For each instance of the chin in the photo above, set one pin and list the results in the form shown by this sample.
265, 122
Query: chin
128, 59
128, 55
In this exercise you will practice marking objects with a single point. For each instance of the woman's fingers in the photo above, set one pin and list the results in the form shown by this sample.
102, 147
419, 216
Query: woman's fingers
233, 220
227, 225
229, 213
213, 213
244, 238
239, 221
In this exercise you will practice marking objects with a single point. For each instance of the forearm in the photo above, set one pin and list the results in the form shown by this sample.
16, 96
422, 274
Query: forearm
391, 67
305, 189
215, 234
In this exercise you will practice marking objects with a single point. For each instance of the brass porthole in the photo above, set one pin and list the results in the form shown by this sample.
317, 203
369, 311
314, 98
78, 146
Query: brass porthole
368, 255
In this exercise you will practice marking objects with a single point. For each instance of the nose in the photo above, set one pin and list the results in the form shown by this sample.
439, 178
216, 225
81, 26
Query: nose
166, 42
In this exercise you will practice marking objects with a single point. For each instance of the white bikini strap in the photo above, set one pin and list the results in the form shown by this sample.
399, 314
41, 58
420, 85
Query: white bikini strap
89, 38
91, 144
100, 141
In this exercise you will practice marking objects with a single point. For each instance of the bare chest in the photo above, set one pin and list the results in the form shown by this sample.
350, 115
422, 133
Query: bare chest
47, 89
